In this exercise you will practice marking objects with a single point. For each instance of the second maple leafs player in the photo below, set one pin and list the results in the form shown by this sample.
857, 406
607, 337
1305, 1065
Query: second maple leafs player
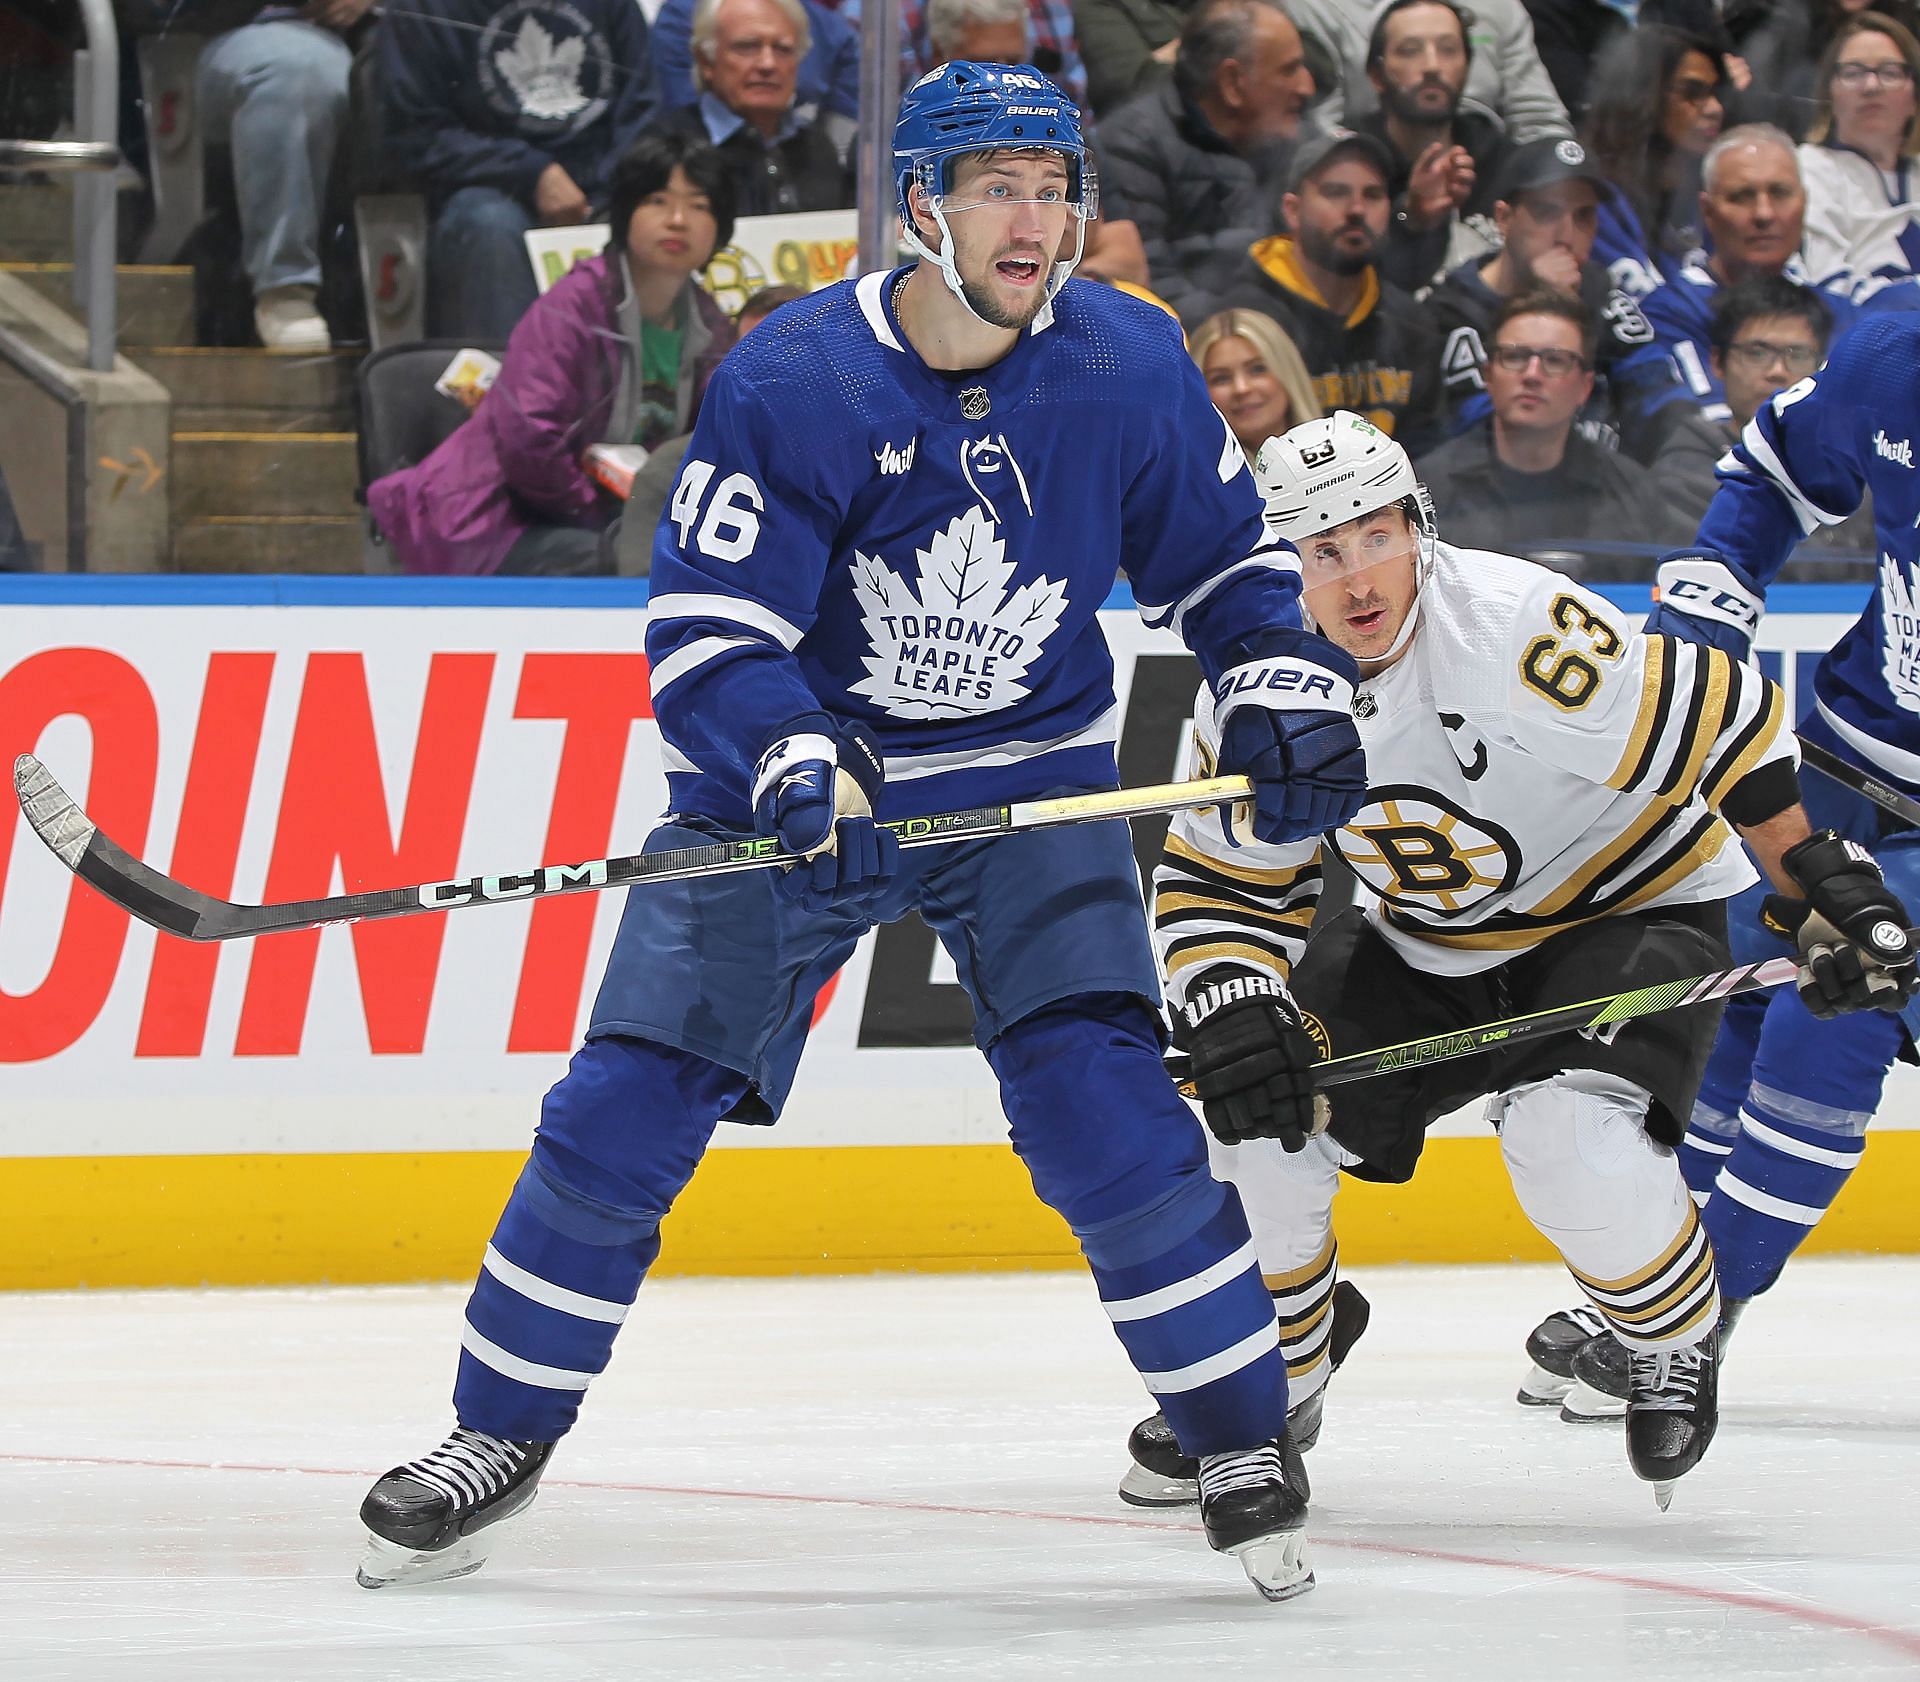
1547, 818
876, 595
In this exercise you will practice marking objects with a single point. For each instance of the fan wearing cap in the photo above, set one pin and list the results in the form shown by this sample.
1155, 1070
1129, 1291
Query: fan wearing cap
1364, 340
1547, 820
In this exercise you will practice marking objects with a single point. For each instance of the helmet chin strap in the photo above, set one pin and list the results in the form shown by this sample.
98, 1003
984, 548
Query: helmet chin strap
950, 273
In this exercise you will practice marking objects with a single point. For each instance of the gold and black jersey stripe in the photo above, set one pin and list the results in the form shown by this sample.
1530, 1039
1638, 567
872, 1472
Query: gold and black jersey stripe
1705, 720
1209, 910
1303, 1300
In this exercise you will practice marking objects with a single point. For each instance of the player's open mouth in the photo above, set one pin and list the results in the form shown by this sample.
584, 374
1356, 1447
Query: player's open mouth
1020, 271
1369, 622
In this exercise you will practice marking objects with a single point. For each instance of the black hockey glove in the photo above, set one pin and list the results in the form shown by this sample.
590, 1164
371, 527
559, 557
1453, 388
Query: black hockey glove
1856, 951
1250, 1061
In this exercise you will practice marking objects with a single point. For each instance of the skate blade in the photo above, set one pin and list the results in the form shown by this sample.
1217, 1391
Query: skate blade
1542, 1389
1142, 1488
1277, 1565
1585, 1405
1663, 1495
388, 1565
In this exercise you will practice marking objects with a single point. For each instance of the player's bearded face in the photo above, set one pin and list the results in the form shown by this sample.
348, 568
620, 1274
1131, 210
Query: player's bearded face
1007, 214
1360, 579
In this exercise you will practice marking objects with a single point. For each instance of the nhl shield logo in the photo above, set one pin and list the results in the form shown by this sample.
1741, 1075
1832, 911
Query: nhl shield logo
974, 403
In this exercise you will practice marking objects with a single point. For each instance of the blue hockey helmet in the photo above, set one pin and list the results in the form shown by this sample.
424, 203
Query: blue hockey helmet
964, 107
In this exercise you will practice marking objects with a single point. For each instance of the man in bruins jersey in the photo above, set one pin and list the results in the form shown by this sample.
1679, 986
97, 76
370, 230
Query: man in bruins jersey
1551, 808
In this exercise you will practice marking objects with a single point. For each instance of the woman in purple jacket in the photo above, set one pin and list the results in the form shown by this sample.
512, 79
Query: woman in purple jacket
618, 352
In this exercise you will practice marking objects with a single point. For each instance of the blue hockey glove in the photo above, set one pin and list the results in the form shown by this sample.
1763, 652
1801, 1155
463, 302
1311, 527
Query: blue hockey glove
1286, 721
1856, 952
1705, 598
815, 788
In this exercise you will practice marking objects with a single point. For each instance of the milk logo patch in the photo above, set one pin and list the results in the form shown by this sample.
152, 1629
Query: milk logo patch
1894, 449
892, 460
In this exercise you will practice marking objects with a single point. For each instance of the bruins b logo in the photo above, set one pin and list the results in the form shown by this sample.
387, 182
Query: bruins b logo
1412, 847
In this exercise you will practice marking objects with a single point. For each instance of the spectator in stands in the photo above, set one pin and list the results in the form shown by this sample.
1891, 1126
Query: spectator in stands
1505, 78
1036, 32
275, 93
1363, 340
829, 73
784, 156
1582, 41
1524, 481
1446, 161
1656, 110
1754, 206
761, 305
618, 352
1767, 333
512, 119
1190, 162
1858, 163
1546, 216
1254, 376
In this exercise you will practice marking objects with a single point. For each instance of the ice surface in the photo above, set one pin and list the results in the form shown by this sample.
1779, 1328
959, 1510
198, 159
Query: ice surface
913, 1478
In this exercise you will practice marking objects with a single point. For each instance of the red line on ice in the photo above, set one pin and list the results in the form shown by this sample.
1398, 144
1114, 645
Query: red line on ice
1901, 1641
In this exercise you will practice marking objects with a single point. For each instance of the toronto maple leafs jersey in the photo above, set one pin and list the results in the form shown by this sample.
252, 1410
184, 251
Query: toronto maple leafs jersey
856, 533
1806, 461
1531, 765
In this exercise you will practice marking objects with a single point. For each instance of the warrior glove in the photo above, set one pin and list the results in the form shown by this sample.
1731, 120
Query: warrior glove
1700, 596
1250, 1061
1286, 723
814, 789
1856, 951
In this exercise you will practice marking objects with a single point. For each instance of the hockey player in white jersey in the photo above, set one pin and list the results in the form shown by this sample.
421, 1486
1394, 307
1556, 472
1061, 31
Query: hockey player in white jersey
875, 596
1547, 817
1784, 1108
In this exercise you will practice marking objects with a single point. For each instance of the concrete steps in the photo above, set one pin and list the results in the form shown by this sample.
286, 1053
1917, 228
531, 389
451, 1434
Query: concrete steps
254, 390
155, 303
270, 543
249, 474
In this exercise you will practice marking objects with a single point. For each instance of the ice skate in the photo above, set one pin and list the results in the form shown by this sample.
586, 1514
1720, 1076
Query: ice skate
1252, 1512
1673, 1408
1551, 1346
1599, 1390
435, 1517
1160, 1475
1731, 1308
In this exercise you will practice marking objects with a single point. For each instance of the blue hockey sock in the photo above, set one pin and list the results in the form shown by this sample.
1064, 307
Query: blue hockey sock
1704, 1150
1195, 1317
1783, 1173
619, 1137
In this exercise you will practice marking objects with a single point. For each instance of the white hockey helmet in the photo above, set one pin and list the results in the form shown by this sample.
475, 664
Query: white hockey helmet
1323, 473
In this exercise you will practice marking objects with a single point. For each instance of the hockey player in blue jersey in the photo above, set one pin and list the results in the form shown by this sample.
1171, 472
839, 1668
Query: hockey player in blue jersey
874, 595
1790, 1087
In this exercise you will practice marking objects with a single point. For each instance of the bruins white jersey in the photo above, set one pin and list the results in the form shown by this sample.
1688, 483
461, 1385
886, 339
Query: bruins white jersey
1531, 764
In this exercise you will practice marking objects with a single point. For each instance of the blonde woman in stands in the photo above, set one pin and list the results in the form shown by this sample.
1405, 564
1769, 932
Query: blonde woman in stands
1863, 208
1254, 375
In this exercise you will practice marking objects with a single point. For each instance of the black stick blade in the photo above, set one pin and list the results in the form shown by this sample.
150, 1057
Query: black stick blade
101, 862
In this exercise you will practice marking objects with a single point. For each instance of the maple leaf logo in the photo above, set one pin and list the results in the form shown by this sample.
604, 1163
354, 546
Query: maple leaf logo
544, 76
959, 640
1900, 633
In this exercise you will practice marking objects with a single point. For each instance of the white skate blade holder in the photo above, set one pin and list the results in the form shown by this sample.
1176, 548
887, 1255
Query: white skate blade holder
1542, 1389
1585, 1405
389, 1565
1663, 1494
1277, 1565
1143, 1488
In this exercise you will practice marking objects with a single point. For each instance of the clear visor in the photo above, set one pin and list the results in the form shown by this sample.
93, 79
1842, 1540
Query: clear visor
1080, 193
1348, 554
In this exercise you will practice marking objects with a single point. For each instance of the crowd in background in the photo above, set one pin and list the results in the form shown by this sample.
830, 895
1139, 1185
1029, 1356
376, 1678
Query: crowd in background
1563, 249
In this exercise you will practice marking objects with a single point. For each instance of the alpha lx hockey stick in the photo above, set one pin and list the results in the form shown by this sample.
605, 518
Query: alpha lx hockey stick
1589, 1017
1849, 775
178, 909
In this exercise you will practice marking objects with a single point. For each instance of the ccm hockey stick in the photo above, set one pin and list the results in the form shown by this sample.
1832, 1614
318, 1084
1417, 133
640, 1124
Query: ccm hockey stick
1848, 775
178, 909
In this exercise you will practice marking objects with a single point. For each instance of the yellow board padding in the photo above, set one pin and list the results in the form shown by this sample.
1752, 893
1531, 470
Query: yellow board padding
388, 1218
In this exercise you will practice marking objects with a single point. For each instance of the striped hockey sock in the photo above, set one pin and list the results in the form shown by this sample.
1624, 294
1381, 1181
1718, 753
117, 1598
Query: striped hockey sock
1782, 1175
1303, 1299
541, 1323
1704, 1151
